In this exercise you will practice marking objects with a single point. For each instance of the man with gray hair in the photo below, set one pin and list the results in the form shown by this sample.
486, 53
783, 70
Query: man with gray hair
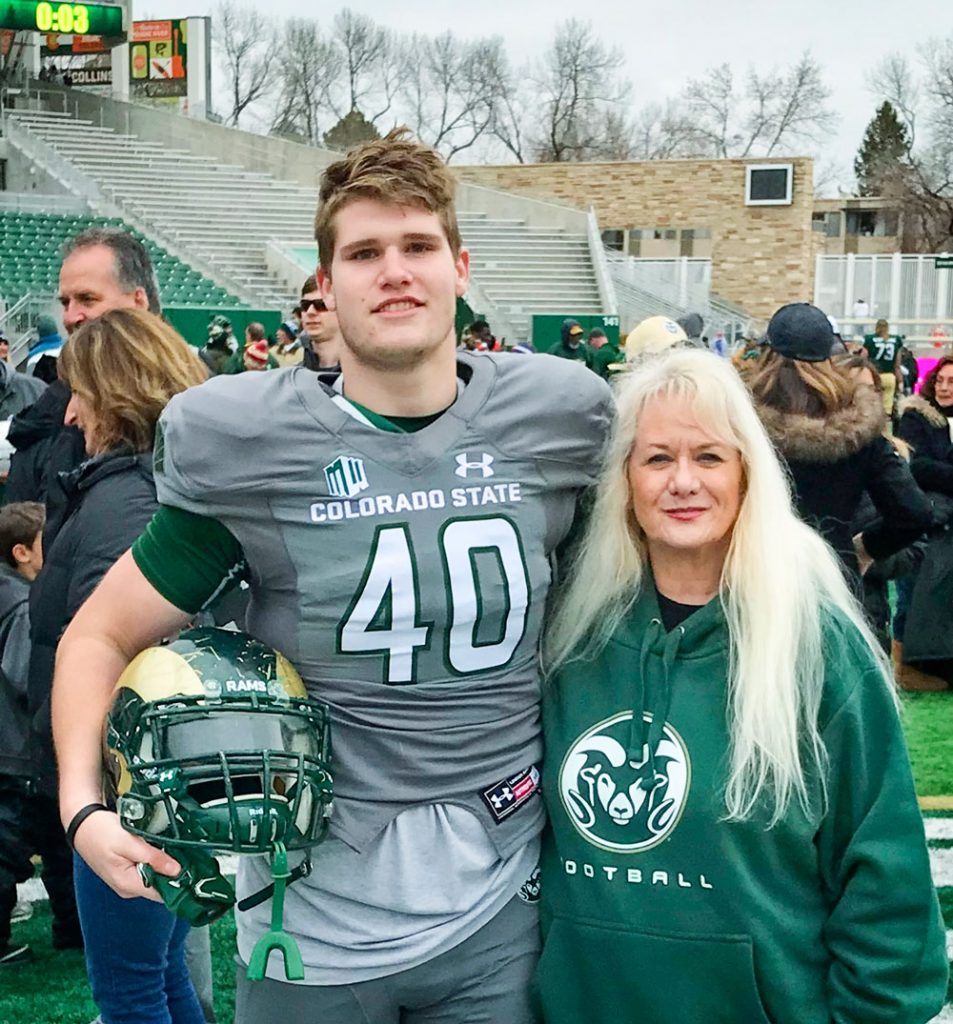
103, 269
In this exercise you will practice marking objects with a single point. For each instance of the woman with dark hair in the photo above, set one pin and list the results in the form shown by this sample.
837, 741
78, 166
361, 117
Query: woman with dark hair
922, 624
829, 431
122, 369
900, 567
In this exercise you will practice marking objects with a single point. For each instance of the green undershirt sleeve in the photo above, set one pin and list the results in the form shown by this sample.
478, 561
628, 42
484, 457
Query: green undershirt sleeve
191, 560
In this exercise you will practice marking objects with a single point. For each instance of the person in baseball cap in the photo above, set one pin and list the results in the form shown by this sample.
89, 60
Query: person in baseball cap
571, 344
653, 335
801, 331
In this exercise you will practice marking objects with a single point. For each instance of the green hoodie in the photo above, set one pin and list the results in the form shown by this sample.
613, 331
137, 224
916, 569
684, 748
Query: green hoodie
657, 911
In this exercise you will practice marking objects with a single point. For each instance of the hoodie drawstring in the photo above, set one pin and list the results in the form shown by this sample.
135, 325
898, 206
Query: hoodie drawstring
644, 736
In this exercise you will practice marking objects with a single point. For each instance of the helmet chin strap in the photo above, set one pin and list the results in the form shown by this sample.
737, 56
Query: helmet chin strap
277, 937
201, 895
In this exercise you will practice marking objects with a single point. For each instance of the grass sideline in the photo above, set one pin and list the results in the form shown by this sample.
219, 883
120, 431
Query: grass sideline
53, 989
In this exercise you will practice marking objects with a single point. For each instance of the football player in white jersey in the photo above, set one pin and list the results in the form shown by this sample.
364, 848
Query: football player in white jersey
396, 523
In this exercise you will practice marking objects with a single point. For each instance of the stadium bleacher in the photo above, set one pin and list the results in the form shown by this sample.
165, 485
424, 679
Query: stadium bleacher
31, 252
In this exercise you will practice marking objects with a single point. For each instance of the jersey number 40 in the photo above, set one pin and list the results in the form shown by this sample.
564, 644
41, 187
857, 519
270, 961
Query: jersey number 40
385, 615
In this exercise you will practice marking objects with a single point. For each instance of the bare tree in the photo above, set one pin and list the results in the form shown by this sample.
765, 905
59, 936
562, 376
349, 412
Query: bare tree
773, 110
662, 132
578, 84
511, 114
372, 66
452, 88
922, 185
246, 43
310, 67
893, 80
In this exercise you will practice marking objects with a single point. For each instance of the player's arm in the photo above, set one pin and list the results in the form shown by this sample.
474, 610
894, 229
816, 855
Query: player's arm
182, 561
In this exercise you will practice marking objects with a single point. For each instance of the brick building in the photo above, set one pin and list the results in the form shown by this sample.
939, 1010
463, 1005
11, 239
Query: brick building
762, 249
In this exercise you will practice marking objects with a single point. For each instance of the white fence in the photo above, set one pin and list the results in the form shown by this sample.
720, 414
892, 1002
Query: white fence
672, 287
908, 291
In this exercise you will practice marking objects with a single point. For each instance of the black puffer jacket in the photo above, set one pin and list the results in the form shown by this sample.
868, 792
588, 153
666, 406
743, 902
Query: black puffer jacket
833, 460
927, 431
110, 499
45, 448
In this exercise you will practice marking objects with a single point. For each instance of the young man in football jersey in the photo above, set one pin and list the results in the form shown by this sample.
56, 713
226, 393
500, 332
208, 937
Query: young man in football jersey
398, 548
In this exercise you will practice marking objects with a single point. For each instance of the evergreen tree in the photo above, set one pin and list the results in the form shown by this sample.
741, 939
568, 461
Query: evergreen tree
351, 130
886, 147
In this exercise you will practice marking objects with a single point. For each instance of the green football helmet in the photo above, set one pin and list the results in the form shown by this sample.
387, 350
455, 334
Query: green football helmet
213, 745
212, 742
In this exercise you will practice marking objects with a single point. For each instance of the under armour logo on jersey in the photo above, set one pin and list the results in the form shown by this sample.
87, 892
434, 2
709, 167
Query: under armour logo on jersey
346, 477
484, 465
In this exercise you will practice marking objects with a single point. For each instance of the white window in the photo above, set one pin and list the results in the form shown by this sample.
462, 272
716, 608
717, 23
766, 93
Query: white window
768, 184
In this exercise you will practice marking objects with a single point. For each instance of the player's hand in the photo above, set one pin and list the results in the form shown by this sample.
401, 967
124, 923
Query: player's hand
115, 855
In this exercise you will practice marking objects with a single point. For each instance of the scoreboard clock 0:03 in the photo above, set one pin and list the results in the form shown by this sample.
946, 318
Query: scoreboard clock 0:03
65, 18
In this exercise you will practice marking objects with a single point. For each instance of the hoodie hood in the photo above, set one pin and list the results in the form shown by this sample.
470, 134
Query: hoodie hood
567, 326
830, 438
926, 409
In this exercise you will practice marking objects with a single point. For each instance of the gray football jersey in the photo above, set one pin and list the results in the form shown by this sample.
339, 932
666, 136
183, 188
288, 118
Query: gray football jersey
405, 575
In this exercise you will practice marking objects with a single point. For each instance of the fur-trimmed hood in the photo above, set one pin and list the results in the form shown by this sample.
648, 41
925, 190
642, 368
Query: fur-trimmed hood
927, 410
830, 438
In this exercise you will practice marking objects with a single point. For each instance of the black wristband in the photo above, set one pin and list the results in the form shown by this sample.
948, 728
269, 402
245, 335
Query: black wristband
78, 818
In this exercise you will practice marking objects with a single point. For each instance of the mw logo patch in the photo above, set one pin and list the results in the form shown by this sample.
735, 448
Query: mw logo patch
345, 477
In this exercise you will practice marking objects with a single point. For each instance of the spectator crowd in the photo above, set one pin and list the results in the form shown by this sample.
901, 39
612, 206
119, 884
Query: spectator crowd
867, 446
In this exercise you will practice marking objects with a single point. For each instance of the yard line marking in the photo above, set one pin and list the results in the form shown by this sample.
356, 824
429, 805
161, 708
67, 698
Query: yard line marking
941, 867
938, 828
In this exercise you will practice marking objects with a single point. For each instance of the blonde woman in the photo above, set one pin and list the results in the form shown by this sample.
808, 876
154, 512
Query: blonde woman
734, 831
122, 369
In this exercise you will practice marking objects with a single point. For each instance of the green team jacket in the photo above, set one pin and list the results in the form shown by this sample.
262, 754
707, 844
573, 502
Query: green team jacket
600, 359
580, 352
655, 910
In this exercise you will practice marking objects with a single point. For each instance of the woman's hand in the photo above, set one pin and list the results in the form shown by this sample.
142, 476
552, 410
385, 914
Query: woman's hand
864, 560
115, 855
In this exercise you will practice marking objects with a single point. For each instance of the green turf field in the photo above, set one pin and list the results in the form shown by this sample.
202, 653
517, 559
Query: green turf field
53, 989
928, 722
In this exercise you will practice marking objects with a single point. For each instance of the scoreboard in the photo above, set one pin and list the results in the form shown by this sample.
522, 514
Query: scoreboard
68, 19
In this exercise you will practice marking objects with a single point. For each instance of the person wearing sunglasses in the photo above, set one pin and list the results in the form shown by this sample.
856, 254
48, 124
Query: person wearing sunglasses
320, 336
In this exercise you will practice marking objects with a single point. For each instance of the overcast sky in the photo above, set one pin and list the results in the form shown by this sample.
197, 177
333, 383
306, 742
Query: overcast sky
666, 42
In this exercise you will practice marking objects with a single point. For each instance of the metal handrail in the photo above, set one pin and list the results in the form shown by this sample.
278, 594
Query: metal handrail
16, 308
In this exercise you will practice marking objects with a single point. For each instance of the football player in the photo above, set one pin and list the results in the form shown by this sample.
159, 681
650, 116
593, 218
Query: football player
396, 522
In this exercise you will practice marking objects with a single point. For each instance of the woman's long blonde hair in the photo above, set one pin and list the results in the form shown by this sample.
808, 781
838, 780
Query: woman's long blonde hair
126, 365
778, 584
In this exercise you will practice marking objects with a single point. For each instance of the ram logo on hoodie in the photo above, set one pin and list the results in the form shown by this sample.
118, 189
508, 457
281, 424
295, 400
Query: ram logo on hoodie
619, 803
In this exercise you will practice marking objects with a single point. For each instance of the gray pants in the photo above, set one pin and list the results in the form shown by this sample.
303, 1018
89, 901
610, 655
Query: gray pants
484, 980
198, 959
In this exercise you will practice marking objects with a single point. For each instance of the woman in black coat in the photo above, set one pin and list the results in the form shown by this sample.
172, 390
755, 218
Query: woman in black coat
122, 369
829, 431
924, 620
925, 425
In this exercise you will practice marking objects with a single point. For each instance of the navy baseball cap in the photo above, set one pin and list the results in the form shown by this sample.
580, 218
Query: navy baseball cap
801, 331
